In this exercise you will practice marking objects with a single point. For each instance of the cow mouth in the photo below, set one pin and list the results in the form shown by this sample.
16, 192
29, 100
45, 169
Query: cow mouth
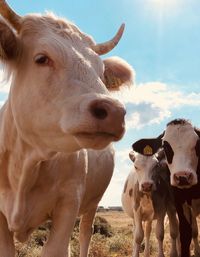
95, 140
146, 191
97, 135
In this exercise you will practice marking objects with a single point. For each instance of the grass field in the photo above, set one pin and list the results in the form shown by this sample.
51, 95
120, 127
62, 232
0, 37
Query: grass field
116, 243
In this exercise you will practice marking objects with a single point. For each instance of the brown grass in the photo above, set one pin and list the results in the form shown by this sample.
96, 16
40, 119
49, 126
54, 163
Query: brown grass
119, 244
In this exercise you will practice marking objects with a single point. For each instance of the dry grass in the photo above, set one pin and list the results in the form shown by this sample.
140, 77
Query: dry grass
118, 242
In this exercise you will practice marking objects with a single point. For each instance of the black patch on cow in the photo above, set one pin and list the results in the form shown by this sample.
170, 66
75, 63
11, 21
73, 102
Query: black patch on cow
153, 143
181, 196
197, 130
197, 148
168, 151
179, 122
130, 192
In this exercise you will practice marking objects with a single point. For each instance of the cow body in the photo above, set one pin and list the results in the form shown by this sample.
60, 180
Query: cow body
50, 189
58, 105
181, 145
147, 196
184, 173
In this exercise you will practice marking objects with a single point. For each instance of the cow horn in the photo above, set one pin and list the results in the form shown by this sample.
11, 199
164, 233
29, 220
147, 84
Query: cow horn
13, 18
106, 47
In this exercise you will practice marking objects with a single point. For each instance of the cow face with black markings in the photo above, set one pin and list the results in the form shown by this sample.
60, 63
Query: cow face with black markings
181, 146
143, 169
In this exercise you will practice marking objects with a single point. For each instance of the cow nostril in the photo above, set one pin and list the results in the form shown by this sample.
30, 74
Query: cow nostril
176, 177
190, 177
99, 113
100, 109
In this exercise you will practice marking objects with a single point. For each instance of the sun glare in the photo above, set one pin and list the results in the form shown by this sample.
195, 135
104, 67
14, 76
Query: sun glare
162, 9
164, 4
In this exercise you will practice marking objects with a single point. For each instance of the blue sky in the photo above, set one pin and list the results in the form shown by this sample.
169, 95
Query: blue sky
161, 42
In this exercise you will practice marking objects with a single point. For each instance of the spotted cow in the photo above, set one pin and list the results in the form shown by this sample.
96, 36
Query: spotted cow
147, 196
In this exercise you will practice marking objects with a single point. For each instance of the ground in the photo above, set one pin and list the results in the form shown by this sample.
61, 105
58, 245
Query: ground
114, 238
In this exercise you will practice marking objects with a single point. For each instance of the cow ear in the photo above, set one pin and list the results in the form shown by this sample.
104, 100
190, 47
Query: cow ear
8, 42
160, 155
117, 73
132, 156
197, 130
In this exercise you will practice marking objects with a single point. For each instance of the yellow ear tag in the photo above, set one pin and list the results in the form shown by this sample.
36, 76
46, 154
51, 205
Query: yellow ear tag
148, 150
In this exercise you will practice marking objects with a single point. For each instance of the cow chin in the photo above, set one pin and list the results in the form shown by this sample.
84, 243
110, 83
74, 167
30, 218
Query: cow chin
95, 140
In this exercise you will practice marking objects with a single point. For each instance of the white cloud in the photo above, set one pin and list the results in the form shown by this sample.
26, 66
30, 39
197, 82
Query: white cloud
122, 168
150, 103
4, 84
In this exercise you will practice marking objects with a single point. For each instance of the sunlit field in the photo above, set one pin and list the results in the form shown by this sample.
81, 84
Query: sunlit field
113, 238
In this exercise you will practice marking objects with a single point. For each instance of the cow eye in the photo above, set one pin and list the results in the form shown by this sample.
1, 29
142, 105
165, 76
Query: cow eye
168, 151
136, 167
42, 59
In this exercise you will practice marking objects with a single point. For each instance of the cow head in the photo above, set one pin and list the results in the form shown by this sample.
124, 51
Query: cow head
59, 95
181, 145
145, 164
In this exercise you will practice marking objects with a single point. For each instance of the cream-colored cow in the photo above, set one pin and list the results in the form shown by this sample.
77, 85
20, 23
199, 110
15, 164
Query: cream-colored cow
147, 196
58, 105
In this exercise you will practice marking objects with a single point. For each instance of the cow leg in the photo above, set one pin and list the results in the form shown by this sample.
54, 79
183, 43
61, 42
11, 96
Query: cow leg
147, 238
63, 221
185, 231
173, 225
86, 230
138, 233
7, 248
195, 237
160, 233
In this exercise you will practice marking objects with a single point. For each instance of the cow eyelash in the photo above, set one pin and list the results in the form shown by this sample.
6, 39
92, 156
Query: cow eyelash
42, 59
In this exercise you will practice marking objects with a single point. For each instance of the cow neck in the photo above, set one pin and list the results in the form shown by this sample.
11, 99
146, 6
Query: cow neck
21, 155
19, 165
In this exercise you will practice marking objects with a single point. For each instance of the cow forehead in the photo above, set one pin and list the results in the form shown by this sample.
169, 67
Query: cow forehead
145, 162
61, 39
180, 136
49, 23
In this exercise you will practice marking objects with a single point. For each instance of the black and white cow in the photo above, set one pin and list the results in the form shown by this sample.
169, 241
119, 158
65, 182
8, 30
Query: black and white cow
181, 144
147, 196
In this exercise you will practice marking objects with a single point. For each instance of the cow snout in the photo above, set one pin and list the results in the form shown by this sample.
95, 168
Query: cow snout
109, 117
183, 178
147, 187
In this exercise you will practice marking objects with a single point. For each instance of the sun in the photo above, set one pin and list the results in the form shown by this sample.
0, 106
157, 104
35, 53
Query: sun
163, 4
163, 9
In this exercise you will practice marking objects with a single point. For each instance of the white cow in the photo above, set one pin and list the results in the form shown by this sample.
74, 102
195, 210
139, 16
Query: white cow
147, 196
58, 105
